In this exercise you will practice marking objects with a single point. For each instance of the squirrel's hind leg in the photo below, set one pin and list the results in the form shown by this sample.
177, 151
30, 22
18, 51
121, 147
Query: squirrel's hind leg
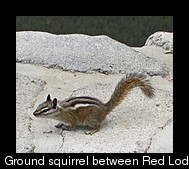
92, 131
95, 127
94, 121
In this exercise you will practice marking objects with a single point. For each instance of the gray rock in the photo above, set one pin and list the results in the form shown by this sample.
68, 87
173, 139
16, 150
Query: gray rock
83, 53
27, 88
130, 127
162, 142
161, 39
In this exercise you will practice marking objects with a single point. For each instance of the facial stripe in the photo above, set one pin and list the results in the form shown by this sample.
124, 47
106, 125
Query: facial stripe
45, 110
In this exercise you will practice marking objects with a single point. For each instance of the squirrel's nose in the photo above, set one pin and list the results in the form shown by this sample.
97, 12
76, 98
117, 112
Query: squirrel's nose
35, 113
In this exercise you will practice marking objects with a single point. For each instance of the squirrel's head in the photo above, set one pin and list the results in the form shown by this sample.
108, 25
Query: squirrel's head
47, 109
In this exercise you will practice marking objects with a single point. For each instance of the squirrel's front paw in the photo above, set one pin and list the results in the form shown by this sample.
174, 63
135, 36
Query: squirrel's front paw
63, 126
59, 125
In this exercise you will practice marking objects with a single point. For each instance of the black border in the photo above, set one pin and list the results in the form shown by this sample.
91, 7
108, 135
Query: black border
180, 138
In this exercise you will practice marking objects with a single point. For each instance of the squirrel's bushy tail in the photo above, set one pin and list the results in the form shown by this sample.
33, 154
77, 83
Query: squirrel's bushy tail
125, 85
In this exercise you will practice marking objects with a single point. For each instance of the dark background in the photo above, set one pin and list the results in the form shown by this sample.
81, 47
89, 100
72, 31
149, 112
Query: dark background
130, 30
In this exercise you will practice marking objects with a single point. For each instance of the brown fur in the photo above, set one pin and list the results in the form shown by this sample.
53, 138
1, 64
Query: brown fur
125, 85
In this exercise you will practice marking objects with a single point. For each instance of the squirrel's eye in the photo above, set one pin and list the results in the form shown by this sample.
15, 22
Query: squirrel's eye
45, 110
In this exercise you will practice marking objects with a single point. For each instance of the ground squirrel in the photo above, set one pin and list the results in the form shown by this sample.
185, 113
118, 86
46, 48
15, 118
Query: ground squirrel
89, 111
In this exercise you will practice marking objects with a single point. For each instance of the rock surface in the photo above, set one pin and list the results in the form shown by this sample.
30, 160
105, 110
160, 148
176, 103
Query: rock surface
27, 89
131, 125
161, 39
163, 142
138, 124
159, 54
84, 53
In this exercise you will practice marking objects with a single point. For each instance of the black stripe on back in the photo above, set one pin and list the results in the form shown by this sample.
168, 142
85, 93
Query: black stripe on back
84, 100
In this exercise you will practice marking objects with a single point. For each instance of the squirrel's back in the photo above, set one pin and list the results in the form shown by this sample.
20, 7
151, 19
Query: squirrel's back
125, 85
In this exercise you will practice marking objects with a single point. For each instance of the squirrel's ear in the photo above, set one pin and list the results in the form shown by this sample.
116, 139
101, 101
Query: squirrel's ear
48, 97
54, 103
